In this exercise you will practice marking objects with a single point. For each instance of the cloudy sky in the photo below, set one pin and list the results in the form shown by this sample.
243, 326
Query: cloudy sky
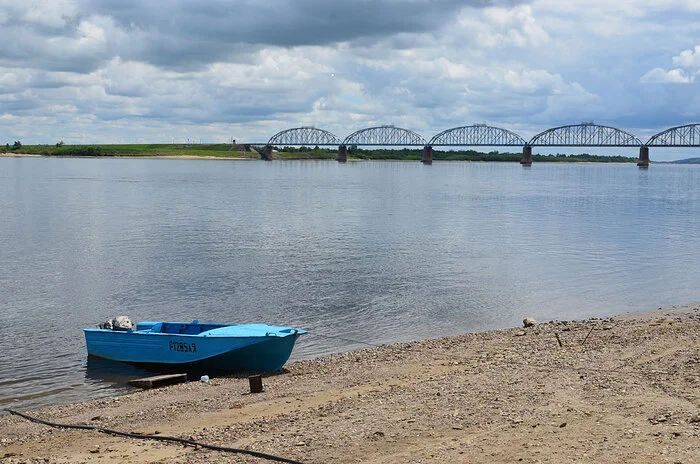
128, 71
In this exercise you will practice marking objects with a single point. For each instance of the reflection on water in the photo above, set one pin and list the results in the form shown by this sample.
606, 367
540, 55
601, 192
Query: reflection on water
113, 374
356, 253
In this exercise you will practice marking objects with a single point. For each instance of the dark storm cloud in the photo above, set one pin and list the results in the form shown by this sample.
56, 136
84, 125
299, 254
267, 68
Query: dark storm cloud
50, 41
283, 22
184, 33
188, 34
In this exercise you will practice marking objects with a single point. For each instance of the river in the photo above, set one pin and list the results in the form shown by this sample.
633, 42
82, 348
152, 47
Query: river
358, 253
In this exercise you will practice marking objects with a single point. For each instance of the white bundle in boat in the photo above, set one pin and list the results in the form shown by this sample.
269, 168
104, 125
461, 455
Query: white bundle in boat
117, 323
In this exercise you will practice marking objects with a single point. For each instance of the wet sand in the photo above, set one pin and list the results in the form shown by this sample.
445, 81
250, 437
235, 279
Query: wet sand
623, 389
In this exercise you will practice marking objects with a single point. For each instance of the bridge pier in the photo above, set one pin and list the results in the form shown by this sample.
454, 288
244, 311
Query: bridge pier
527, 156
643, 157
427, 155
342, 154
266, 153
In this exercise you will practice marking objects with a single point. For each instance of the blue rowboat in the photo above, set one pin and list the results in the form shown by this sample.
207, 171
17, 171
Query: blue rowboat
195, 345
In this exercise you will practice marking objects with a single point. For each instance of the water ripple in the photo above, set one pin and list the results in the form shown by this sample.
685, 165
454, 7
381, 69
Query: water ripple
363, 253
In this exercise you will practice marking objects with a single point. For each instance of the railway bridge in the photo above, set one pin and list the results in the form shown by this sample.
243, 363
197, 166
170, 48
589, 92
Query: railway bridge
585, 134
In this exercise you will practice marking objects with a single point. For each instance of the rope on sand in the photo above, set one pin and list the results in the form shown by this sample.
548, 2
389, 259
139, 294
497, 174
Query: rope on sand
256, 454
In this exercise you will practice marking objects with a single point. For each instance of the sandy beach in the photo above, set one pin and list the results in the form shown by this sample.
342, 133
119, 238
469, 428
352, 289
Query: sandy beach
622, 389
186, 157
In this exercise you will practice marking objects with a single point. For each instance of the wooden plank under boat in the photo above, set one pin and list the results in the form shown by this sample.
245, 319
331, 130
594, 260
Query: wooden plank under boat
158, 380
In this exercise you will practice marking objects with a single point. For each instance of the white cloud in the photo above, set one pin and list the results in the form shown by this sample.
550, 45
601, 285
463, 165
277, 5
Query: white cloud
533, 82
661, 76
52, 14
54, 109
91, 33
13, 80
688, 58
688, 62
502, 27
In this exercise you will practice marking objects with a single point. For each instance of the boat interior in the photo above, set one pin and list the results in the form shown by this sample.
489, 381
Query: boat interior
184, 328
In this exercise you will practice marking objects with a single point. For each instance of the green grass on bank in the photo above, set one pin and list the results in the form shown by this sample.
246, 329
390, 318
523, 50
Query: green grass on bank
243, 151
136, 150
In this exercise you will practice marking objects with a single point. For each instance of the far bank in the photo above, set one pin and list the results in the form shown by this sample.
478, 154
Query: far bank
247, 151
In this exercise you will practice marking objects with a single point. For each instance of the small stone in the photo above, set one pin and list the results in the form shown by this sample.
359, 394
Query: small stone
457, 427
562, 425
520, 333
144, 432
95, 450
695, 420
529, 322
301, 443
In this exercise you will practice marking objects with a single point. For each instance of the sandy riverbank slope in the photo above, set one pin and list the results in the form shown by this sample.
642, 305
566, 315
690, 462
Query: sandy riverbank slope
630, 393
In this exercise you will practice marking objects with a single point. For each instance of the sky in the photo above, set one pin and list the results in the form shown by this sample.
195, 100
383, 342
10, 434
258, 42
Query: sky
128, 71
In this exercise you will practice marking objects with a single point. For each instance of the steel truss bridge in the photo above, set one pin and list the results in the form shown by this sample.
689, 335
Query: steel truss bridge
304, 136
586, 134
384, 136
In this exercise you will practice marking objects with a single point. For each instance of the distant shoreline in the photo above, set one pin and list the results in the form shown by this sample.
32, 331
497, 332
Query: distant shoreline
246, 158
247, 151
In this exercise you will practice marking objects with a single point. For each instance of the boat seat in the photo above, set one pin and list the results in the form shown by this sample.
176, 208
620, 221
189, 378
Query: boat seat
191, 330
157, 328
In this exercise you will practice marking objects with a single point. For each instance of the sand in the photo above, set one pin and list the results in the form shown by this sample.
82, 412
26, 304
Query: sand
623, 389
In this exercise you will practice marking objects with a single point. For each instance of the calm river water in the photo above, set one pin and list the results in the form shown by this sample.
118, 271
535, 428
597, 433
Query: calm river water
371, 252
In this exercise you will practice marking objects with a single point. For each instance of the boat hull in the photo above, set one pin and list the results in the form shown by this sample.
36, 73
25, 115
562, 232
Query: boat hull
268, 351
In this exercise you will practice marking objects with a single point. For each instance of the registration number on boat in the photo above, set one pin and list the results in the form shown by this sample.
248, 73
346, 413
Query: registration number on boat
183, 347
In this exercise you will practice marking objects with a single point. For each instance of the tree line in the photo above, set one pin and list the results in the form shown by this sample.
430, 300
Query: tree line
416, 154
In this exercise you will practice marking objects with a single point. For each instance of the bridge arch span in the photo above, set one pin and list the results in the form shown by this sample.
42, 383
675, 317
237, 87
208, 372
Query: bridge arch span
384, 136
586, 134
477, 135
305, 135
679, 136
